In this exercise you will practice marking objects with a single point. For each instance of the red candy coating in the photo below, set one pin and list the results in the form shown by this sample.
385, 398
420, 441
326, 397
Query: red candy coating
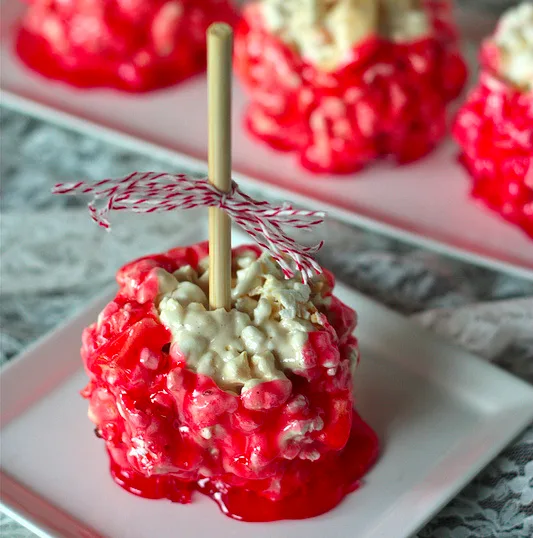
131, 45
267, 451
385, 99
495, 131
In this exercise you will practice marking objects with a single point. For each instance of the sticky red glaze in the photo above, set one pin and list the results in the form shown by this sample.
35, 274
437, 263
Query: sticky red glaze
495, 131
151, 411
386, 98
334, 478
131, 45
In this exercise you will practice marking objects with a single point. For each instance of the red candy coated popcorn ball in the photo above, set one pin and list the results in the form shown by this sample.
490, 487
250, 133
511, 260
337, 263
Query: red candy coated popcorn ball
495, 125
131, 45
385, 94
172, 426
495, 131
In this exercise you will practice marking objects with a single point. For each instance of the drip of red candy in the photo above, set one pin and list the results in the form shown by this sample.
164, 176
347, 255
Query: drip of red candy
334, 479
153, 412
385, 99
132, 45
495, 131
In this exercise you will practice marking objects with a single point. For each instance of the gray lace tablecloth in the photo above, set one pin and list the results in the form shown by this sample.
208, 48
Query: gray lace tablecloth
47, 274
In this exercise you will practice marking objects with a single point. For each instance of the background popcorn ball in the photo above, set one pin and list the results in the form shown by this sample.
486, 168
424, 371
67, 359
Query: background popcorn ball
349, 81
133, 45
495, 125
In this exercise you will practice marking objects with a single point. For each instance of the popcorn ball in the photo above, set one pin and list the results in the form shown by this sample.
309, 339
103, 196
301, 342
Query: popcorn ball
132, 45
495, 125
343, 82
253, 407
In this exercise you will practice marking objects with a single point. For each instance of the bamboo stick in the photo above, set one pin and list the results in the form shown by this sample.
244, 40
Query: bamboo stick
219, 62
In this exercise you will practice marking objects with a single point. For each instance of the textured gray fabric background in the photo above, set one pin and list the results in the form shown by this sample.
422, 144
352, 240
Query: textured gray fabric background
46, 276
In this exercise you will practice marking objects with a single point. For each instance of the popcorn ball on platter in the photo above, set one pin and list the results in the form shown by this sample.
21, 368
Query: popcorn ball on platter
253, 407
131, 45
495, 125
343, 82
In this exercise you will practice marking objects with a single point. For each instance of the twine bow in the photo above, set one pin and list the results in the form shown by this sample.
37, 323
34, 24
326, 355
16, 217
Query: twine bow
150, 192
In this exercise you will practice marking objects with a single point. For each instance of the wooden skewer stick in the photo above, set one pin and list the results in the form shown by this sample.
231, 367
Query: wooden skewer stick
219, 61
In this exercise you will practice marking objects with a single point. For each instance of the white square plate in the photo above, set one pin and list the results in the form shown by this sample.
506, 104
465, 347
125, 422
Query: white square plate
426, 203
441, 415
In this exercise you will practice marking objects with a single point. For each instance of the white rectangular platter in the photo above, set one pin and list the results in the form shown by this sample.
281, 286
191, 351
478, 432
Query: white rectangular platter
441, 415
426, 203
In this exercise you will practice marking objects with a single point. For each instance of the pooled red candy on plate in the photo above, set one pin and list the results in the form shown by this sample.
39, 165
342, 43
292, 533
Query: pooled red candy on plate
132, 45
343, 82
495, 125
253, 407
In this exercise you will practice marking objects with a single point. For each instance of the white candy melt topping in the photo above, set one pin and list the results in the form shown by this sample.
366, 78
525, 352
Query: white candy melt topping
324, 31
514, 38
408, 25
259, 339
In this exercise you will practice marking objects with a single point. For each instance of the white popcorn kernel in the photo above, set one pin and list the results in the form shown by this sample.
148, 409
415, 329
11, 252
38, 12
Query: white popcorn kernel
297, 430
206, 364
166, 281
253, 339
172, 313
187, 292
246, 304
246, 259
297, 404
262, 311
264, 366
186, 273
236, 369
311, 455
189, 343
206, 433
149, 359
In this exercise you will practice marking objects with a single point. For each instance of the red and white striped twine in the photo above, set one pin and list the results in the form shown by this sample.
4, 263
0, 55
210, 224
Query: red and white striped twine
149, 192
